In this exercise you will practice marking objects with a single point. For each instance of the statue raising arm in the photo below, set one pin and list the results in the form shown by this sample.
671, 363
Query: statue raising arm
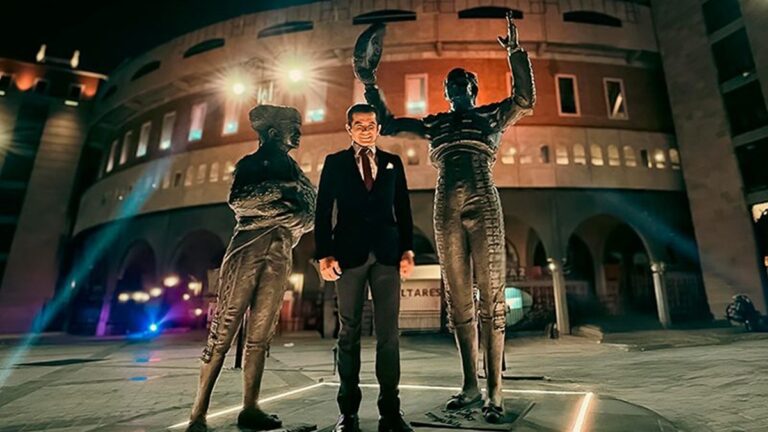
520, 103
365, 61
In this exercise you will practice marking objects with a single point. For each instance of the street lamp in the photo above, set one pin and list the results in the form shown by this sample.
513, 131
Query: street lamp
238, 88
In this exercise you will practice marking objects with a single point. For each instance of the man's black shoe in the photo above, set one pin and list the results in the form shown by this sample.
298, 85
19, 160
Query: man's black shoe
347, 423
394, 423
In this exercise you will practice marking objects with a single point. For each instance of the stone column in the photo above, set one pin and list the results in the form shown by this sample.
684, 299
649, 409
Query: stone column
660, 289
561, 301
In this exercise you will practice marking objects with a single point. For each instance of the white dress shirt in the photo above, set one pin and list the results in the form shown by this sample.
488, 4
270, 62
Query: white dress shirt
371, 157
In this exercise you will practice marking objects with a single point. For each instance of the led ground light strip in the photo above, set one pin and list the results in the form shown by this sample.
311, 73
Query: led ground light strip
578, 424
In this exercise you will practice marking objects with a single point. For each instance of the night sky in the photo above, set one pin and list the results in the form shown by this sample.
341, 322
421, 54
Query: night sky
108, 32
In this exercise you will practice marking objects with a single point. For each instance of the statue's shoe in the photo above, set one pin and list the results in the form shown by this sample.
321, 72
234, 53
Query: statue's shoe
198, 425
461, 400
493, 413
253, 418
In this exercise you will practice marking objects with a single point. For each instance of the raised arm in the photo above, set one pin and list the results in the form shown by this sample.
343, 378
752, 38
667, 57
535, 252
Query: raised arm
520, 103
365, 61
391, 125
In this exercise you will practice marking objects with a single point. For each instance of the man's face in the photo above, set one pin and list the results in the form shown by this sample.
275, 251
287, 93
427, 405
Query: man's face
364, 129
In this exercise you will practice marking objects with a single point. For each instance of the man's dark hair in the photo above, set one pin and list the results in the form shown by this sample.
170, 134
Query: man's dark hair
360, 108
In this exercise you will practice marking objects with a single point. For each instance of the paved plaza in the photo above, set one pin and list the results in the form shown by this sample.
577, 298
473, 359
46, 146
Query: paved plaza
576, 384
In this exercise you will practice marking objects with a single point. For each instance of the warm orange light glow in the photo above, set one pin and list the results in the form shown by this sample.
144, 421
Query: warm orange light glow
25, 80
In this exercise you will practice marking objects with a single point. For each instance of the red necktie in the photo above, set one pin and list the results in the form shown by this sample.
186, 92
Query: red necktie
367, 173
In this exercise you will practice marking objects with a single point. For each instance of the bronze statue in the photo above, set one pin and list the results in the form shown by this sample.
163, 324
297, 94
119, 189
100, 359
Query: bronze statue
274, 205
468, 221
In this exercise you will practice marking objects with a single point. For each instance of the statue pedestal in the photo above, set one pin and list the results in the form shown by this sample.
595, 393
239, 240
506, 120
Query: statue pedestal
471, 418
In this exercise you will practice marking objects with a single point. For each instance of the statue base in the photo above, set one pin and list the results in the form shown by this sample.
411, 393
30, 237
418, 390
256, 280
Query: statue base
471, 418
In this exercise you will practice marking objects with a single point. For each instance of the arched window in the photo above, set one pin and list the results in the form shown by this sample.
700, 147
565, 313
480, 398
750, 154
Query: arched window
213, 176
412, 156
189, 176
306, 162
561, 155
596, 155
674, 159
644, 159
146, 69
508, 157
201, 172
285, 28
386, 15
591, 17
660, 158
613, 155
544, 154
229, 168
579, 155
485, 12
630, 159
208, 45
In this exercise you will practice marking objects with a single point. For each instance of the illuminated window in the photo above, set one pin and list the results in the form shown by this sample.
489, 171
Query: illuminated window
232, 109
306, 163
213, 176
615, 99
127, 138
141, 148
197, 121
412, 156
416, 94
315, 108
111, 158
229, 168
596, 153
509, 156
169, 121
567, 95
613, 156
660, 158
167, 180
544, 154
189, 176
629, 156
561, 155
674, 158
201, 171
579, 155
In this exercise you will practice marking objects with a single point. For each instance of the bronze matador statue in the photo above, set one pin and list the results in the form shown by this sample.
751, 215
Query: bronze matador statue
468, 221
274, 205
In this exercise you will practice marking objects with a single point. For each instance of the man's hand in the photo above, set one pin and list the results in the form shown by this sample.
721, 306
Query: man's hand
406, 264
329, 269
510, 41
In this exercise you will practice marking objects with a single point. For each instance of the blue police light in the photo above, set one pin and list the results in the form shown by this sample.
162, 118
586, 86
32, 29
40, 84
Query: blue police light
153, 327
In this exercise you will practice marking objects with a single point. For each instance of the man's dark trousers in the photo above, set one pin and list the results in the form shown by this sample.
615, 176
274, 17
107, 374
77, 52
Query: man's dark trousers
384, 282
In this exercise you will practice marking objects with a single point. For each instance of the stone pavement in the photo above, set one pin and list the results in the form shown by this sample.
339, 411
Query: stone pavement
84, 384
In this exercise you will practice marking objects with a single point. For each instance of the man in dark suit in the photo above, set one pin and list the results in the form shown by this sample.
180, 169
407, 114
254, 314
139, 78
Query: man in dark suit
371, 243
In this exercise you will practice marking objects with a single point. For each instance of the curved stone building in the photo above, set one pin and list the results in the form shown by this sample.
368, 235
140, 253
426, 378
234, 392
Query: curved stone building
597, 219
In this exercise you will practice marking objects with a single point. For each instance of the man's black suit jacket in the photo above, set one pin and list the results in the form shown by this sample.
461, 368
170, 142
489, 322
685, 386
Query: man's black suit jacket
378, 221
